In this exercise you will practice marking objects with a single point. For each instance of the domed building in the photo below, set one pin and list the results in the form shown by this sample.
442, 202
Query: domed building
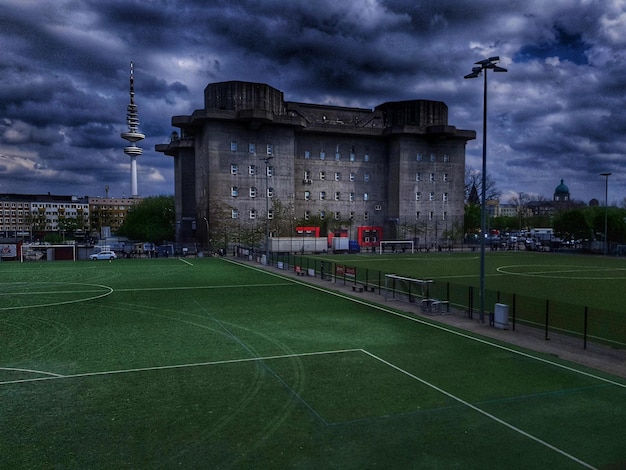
561, 201
561, 193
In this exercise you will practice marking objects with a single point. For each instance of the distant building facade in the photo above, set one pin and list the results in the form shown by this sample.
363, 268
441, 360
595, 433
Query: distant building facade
561, 201
110, 212
32, 216
400, 166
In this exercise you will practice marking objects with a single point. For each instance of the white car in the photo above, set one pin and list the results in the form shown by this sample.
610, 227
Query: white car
103, 255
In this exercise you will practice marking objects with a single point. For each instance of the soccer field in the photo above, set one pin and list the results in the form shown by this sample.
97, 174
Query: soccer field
206, 363
578, 295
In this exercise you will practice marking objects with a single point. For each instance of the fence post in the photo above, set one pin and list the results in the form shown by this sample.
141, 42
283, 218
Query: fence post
585, 329
513, 312
547, 317
448, 296
470, 310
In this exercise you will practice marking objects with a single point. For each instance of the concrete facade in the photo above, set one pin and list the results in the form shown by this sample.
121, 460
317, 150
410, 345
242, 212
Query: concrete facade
400, 166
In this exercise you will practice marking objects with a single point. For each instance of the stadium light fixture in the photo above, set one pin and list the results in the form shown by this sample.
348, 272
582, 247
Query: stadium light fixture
606, 212
482, 67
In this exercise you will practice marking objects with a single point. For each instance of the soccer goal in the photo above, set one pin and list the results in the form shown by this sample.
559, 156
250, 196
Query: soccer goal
396, 245
406, 289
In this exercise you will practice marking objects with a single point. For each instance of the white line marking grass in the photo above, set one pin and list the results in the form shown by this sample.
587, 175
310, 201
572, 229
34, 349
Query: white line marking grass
105, 290
225, 286
483, 412
30, 371
492, 417
435, 325
170, 367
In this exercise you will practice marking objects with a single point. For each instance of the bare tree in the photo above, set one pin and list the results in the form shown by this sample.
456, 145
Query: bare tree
474, 178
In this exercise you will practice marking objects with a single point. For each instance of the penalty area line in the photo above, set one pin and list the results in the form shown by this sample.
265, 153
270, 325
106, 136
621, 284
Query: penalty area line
173, 366
481, 411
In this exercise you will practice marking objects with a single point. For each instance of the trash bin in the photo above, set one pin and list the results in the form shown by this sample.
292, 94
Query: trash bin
501, 316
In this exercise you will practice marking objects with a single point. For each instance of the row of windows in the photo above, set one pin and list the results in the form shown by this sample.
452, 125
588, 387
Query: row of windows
253, 214
420, 157
252, 192
36, 213
338, 156
234, 147
431, 216
432, 196
351, 196
337, 196
337, 176
432, 177
322, 175
34, 205
252, 170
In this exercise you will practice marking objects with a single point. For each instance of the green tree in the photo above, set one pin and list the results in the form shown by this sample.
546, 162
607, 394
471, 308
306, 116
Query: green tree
615, 221
151, 220
471, 220
572, 225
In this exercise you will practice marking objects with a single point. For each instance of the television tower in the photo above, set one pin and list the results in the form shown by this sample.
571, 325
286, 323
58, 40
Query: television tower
132, 136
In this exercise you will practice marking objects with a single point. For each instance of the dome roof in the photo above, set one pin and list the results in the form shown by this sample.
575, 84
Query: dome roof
561, 189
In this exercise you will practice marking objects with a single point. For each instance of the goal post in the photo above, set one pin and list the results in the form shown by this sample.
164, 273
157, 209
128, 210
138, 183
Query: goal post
396, 244
406, 289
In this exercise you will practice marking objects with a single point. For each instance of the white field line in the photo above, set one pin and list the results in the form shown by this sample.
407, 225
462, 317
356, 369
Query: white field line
170, 367
52, 376
483, 412
226, 286
30, 371
51, 292
107, 291
435, 325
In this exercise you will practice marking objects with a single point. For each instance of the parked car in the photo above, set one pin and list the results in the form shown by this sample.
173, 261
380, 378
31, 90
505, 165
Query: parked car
103, 255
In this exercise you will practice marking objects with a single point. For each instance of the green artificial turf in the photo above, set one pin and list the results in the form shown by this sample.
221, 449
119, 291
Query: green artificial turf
204, 363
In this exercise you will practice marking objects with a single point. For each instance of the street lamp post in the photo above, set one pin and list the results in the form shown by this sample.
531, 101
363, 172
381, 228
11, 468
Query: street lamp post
206, 221
606, 212
481, 69
267, 211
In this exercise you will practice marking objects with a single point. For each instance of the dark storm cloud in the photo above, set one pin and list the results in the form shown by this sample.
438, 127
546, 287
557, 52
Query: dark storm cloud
64, 69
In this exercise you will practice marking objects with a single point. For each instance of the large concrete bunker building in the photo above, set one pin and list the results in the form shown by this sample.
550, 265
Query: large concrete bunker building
250, 153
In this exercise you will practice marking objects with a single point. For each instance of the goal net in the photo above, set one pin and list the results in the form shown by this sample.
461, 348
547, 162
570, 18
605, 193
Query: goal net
406, 289
396, 246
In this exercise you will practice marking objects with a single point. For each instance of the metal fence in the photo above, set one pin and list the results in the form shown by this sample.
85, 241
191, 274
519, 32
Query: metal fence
587, 323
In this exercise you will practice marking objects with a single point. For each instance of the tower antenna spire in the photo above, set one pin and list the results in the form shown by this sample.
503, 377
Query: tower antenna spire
133, 135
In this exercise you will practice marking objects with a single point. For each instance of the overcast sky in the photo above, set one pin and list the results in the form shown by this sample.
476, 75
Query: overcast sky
559, 112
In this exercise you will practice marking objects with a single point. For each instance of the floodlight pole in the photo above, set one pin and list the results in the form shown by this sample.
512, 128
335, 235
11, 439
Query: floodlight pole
483, 66
606, 212
206, 221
